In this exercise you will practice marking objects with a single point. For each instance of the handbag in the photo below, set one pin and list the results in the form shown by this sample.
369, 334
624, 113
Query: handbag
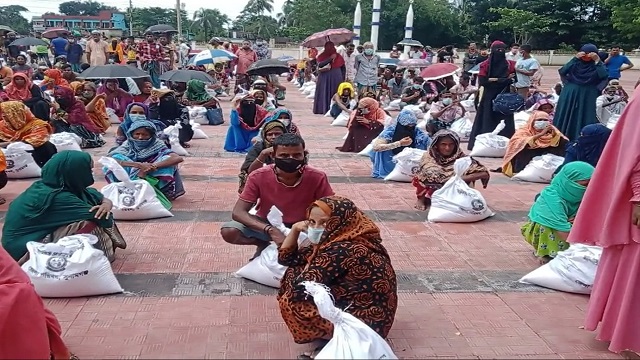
508, 103
215, 117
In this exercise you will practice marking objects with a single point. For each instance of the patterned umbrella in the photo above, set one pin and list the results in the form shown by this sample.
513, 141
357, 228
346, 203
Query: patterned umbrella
212, 57
54, 33
439, 71
336, 36
414, 63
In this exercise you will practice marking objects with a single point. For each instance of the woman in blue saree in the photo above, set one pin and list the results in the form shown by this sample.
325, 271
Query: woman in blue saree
144, 156
245, 122
136, 111
392, 140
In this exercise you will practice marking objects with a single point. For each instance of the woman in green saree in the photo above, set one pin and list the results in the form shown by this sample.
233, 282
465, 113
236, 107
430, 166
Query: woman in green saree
61, 204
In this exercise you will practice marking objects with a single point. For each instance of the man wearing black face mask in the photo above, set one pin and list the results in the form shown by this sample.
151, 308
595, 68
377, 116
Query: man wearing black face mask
289, 184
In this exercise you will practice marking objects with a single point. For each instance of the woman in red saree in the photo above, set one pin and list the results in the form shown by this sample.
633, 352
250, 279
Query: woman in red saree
28, 329
331, 72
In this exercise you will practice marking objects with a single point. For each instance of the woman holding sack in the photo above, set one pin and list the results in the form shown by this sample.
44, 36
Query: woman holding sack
331, 69
347, 255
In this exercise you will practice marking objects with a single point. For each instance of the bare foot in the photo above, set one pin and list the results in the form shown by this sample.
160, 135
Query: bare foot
422, 203
186, 145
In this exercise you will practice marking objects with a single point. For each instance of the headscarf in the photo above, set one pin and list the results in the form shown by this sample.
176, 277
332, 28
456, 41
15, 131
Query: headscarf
542, 102
56, 76
559, 201
268, 127
498, 66
252, 115
141, 150
435, 168
330, 49
344, 86
291, 128
75, 109
16, 93
265, 96
169, 108
582, 72
405, 126
376, 113
75, 85
19, 124
524, 135
589, 146
126, 120
196, 91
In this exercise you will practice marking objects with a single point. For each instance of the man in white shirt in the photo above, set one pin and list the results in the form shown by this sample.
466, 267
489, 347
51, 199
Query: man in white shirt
609, 106
526, 67
349, 56
183, 52
514, 54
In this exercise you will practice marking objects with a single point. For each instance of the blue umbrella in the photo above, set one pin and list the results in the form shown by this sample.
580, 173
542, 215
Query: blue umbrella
211, 57
389, 61
286, 58
474, 70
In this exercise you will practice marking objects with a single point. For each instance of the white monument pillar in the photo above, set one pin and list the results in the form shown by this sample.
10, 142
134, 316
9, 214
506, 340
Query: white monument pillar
375, 23
357, 21
408, 27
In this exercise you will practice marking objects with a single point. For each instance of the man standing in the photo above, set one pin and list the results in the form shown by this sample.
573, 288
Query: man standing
246, 57
150, 54
97, 50
616, 63
262, 50
75, 53
526, 67
349, 57
366, 64
470, 58
184, 51
12, 50
514, 54
59, 45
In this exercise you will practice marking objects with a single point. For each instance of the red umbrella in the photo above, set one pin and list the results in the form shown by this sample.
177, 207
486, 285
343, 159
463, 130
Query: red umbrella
336, 36
54, 33
439, 71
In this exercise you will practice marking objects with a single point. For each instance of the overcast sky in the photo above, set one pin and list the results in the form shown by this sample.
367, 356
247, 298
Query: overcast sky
230, 7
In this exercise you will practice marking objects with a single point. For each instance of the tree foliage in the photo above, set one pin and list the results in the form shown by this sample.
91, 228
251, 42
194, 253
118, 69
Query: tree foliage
145, 17
75, 8
11, 16
523, 24
625, 16
208, 23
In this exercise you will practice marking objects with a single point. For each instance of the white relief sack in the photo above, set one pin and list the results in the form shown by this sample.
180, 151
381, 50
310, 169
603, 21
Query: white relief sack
456, 202
198, 114
341, 120
113, 117
540, 169
407, 163
198, 133
462, 127
66, 141
491, 144
132, 199
20, 163
70, 267
521, 118
173, 132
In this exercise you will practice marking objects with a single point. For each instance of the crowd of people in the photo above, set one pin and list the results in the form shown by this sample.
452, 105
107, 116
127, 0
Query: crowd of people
346, 253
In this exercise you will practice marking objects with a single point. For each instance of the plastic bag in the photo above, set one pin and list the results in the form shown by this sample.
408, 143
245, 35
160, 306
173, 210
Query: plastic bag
521, 118
352, 338
173, 132
341, 120
71, 267
407, 162
462, 127
456, 202
540, 169
572, 270
66, 141
312, 94
491, 144
20, 163
113, 118
265, 269
197, 132
132, 199
468, 105
309, 90
198, 114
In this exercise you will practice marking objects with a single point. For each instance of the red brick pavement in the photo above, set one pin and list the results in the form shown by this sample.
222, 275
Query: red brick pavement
532, 325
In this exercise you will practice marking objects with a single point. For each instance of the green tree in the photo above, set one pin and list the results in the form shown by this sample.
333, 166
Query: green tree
209, 22
145, 17
89, 7
11, 16
625, 16
522, 24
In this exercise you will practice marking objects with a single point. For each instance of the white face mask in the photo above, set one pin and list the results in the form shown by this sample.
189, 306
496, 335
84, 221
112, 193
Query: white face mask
446, 101
285, 122
540, 124
364, 111
314, 234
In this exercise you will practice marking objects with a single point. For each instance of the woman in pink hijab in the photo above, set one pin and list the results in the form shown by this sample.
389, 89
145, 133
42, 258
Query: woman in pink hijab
609, 216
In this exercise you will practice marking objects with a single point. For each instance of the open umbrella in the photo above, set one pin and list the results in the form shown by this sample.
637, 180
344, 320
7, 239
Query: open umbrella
439, 71
29, 41
113, 71
162, 28
185, 76
286, 58
54, 33
212, 57
474, 70
389, 62
336, 36
410, 42
4, 30
414, 63
267, 67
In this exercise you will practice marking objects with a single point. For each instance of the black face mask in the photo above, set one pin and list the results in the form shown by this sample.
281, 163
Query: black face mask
289, 165
259, 101
63, 103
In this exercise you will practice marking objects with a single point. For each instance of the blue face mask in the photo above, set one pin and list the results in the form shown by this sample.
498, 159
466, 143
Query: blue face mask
314, 234
368, 51
137, 117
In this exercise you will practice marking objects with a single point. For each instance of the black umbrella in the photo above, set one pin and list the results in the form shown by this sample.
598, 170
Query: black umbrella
29, 41
161, 29
113, 71
267, 67
185, 76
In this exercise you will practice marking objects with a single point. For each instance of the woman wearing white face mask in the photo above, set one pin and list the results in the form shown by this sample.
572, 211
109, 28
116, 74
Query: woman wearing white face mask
347, 255
444, 112
538, 137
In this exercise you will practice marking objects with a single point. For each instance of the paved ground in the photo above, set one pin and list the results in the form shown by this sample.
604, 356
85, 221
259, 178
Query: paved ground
459, 296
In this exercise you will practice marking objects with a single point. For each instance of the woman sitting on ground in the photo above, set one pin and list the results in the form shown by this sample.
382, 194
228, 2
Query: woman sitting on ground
436, 167
71, 116
588, 147
144, 156
20, 125
62, 203
245, 121
365, 124
538, 137
547, 106
137, 112
197, 95
285, 117
343, 100
95, 106
261, 152
261, 98
30, 330
77, 87
116, 98
53, 78
145, 93
165, 107
551, 216
403, 134
347, 255
21, 89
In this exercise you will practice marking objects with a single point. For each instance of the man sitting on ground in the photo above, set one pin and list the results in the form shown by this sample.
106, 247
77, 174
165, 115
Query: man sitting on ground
289, 184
